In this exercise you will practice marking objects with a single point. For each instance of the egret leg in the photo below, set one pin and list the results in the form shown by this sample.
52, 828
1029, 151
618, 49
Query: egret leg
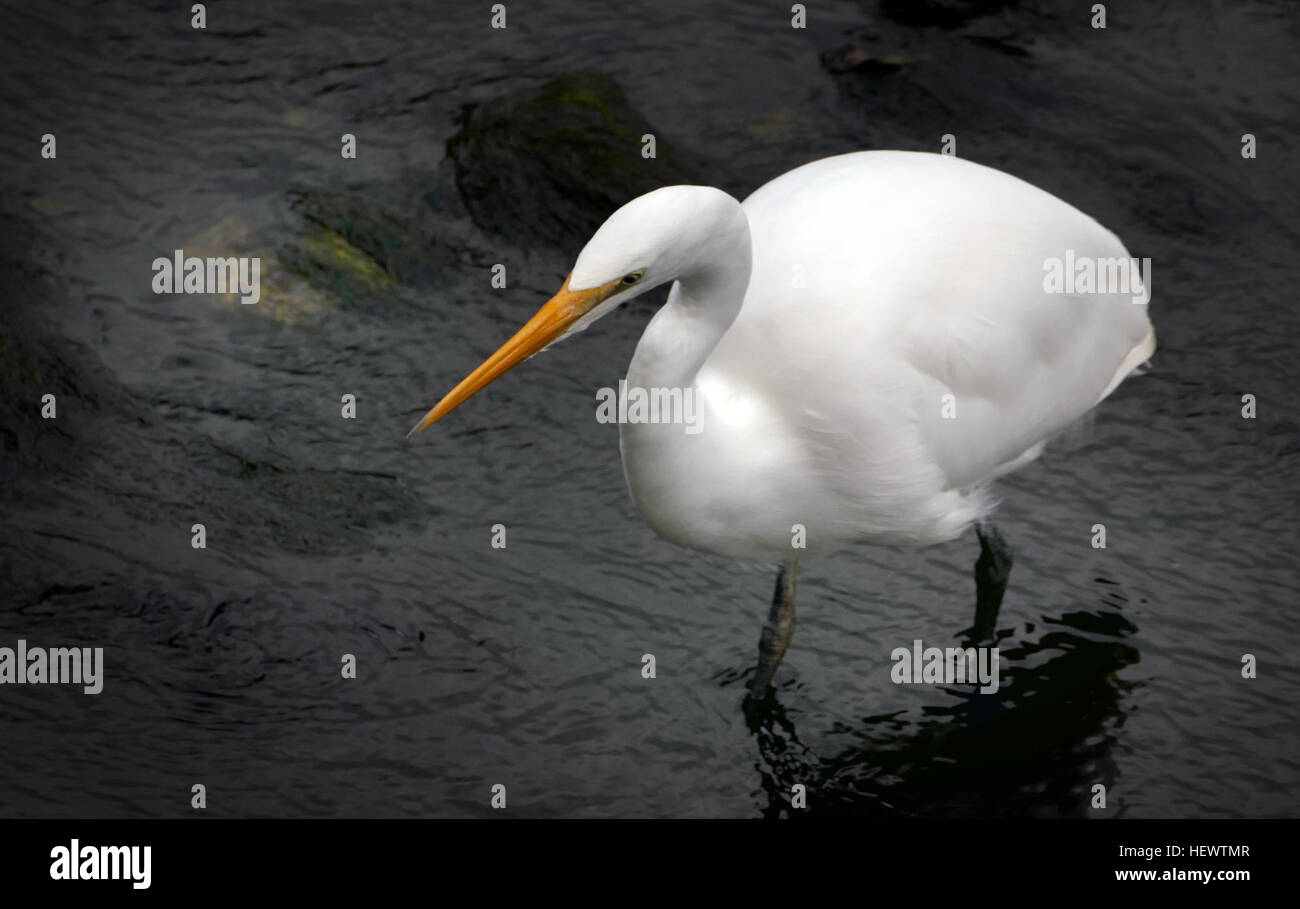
992, 570
778, 631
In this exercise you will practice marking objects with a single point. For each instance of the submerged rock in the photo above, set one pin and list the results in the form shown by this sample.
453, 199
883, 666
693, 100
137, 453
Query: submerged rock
285, 294
551, 163
856, 57
387, 242
914, 86
782, 125
940, 13
339, 251
300, 508
39, 445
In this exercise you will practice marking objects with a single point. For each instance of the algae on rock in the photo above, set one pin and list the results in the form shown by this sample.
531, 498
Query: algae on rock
550, 164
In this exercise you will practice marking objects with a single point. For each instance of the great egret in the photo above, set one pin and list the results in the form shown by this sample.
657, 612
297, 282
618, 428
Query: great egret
870, 339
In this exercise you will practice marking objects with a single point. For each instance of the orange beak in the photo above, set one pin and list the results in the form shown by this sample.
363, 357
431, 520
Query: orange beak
551, 321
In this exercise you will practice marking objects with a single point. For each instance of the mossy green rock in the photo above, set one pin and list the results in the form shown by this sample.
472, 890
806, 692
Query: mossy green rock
377, 245
336, 251
35, 361
550, 164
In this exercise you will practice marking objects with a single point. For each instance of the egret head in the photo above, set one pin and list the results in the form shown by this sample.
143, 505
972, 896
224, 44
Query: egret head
653, 239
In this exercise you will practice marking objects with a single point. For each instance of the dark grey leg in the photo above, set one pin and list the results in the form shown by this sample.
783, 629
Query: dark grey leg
992, 570
776, 635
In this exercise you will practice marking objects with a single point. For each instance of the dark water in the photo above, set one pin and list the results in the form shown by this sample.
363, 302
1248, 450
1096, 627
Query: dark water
522, 666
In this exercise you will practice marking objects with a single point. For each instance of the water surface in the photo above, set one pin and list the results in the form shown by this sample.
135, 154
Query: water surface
522, 666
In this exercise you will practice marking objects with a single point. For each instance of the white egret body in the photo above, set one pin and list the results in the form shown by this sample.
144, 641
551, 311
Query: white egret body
869, 339
880, 282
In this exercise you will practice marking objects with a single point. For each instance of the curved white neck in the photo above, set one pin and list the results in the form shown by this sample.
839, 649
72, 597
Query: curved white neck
701, 306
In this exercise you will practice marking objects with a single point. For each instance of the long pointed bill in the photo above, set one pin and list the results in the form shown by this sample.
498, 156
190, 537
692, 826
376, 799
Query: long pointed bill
552, 320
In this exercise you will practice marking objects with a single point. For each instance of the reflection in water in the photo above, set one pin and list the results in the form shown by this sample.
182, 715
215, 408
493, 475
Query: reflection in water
1037, 746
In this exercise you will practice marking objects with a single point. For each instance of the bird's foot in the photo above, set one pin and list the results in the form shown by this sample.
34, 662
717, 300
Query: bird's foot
978, 634
763, 711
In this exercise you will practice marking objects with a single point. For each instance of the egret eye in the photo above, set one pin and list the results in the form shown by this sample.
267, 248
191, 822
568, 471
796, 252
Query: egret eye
633, 278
